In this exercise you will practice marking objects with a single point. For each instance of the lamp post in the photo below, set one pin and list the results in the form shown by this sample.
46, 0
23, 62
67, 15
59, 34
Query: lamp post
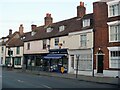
10, 53
77, 65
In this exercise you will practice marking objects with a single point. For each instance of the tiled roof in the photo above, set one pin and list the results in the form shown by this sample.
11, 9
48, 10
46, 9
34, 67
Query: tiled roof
15, 42
71, 25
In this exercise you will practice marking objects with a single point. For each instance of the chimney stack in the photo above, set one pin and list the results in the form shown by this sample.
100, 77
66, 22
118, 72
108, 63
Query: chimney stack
81, 10
33, 27
48, 19
10, 31
21, 28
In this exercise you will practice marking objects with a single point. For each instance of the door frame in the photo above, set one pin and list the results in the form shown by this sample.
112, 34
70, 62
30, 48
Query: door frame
99, 52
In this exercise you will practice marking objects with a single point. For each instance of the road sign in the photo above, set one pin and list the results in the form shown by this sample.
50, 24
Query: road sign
62, 69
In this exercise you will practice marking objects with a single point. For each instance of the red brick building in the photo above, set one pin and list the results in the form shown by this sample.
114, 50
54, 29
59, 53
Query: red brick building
106, 38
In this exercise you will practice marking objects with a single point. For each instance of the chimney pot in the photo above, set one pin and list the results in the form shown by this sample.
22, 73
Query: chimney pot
48, 19
10, 31
33, 27
81, 10
82, 4
21, 28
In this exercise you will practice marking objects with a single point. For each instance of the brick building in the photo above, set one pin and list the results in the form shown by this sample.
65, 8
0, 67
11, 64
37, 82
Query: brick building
107, 37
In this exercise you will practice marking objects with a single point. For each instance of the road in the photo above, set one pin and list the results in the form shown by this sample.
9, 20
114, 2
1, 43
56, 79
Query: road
12, 79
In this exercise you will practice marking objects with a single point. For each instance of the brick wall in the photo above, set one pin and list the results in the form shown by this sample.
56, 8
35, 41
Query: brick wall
101, 31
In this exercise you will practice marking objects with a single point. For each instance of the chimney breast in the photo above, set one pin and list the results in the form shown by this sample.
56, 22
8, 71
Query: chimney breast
81, 10
48, 19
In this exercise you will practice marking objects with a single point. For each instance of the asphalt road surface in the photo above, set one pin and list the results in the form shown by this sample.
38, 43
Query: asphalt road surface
11, 79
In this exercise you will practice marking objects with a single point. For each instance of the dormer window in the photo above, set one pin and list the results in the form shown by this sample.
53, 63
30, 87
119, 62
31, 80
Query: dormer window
49, 29
22, 38
61, 28
33, 33
86, 22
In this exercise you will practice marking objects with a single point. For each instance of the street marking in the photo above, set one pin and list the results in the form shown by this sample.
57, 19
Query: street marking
46, 86
20, 81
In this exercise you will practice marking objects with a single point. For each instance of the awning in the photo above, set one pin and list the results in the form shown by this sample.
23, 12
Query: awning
54, 56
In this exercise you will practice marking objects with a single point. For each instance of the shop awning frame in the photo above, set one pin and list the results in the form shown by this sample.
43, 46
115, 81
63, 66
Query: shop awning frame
54, 56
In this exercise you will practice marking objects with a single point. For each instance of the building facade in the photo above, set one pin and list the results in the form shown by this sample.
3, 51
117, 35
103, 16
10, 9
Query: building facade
88, 43
81, 48
106, 38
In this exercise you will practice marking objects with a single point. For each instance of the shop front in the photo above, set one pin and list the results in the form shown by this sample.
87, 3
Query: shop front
33, 61
56, 59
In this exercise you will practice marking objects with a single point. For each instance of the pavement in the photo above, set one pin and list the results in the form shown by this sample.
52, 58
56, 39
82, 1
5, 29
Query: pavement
96, 79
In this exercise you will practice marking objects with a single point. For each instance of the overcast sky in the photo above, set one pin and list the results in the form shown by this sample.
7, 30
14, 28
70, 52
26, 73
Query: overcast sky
27, 12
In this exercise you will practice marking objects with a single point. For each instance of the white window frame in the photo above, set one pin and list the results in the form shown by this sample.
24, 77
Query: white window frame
111, 24
49, 29
112, 3
111, 49
117, 33
61, 28
57, 38
86, 22
82, 42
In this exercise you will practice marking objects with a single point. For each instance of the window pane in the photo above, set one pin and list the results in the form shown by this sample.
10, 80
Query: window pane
17, 61
115, 59
56, 41
44, 44
18, 50
114, 33
86, 22
83, 40
114, 10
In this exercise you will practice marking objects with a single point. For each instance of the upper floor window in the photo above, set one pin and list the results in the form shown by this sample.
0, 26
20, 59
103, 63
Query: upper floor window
28, 46
17, 50
114, 10
49, 29
2, 50
44, 44
83, 40
56, 41
114, 33
61, 28
86, 22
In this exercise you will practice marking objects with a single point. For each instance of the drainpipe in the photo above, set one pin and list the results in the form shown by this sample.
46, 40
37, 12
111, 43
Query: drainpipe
92, 62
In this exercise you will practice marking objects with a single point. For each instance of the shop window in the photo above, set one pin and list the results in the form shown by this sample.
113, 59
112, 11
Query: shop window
17, 61
85, 62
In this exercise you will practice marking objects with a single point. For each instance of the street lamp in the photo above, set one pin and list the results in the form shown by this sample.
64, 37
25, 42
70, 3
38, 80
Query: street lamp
10, 53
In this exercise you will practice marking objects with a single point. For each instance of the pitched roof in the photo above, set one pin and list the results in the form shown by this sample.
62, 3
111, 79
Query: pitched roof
71, 25
15, 42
